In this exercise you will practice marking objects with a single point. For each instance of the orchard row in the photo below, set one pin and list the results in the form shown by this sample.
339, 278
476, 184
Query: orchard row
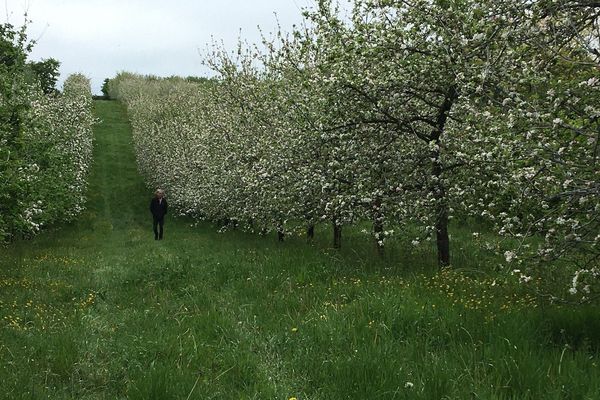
403, 113
45, 142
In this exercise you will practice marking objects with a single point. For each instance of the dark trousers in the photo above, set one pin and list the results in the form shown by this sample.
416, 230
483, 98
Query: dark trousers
158, 222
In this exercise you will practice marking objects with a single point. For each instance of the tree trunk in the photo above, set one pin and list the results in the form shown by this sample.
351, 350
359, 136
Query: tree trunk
310, 225
224, 222
337, 235
441, 218
280, 232
310, 232
378, 226
441, 230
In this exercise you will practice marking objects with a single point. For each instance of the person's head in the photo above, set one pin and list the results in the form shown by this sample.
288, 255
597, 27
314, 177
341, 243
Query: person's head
159, 193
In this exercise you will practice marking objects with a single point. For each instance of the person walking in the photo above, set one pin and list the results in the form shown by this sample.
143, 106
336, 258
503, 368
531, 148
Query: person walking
158, 208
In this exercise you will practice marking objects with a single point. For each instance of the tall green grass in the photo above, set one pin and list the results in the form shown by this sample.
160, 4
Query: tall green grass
99, 310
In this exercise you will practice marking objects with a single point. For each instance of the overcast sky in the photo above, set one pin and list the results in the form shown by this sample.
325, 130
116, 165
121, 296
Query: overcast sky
101, 37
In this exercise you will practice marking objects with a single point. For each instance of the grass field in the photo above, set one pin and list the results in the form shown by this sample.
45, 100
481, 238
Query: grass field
99, 310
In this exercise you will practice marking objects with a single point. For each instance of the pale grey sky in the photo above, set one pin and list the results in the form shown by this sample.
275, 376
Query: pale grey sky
101, 37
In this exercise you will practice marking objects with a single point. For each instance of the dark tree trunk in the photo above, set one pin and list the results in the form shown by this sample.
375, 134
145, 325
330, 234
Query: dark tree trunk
310, 232
337, 235
378, 226
441, 218
280, 232
310, 224
443, 243
224, 222
441, 228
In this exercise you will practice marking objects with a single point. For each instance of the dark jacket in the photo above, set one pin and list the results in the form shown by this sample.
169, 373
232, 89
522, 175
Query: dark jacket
158, 210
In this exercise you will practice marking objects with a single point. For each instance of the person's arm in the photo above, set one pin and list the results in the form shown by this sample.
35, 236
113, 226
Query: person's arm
151, 205
166, 206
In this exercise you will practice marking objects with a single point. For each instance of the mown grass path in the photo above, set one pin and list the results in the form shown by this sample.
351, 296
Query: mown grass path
99, 310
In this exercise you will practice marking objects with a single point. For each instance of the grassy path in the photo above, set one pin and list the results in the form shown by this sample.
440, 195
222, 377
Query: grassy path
99, 310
